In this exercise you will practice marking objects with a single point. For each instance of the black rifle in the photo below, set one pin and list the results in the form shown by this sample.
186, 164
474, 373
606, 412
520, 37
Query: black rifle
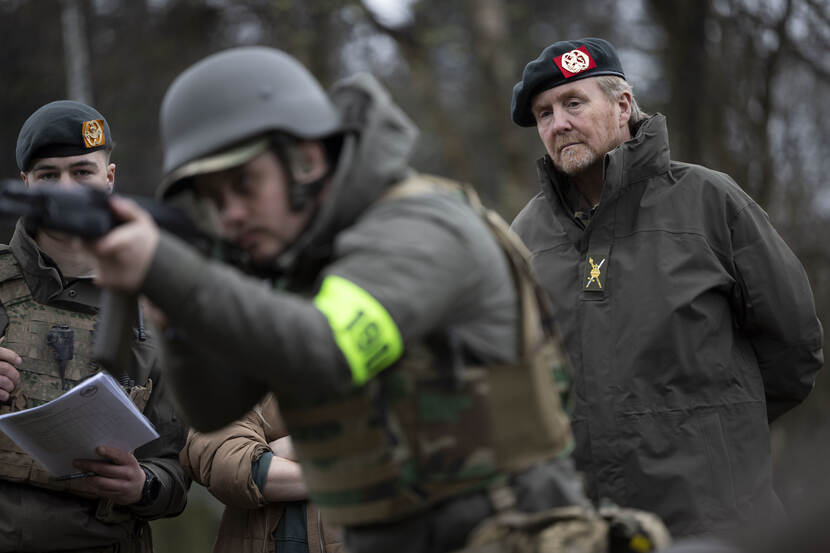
85, 212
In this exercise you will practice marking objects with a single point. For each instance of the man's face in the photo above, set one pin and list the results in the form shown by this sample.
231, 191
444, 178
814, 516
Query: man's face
253, 206
92, 170
578, 124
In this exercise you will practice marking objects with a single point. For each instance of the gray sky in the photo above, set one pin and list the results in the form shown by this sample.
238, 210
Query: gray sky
390, 12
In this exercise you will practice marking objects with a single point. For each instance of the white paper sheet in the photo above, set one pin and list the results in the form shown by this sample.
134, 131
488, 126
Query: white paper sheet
95, 412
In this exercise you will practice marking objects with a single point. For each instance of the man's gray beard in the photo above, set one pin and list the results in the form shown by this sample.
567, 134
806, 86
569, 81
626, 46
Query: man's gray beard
573, 164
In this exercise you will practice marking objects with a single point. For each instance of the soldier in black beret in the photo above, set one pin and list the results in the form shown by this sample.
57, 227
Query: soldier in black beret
689, 323
62, 129
47, 296
562, 62
587, 74
65, 143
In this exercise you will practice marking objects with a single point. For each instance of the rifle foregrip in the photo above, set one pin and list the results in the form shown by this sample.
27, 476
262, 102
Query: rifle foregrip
112, 344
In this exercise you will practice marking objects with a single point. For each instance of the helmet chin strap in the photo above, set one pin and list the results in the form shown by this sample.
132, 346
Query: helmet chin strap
299, 193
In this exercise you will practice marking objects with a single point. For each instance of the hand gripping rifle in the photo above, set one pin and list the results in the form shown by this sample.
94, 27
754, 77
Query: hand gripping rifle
85, 212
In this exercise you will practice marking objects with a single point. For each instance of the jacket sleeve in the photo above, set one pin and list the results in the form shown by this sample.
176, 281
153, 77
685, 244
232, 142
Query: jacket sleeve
161, 456
222, 460
4, 320
232, 338
254, 338
775, 311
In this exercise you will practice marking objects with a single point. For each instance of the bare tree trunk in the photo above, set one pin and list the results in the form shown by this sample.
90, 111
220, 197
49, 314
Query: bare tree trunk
765, 189
76, 53
417, 55
499, 70
685, 65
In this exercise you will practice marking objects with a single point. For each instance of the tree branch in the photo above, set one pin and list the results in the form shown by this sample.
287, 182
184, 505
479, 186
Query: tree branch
819, 11
788, 42
402, 35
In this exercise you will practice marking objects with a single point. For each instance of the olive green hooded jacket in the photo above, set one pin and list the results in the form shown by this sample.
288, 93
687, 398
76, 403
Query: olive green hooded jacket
429, 260
423, 258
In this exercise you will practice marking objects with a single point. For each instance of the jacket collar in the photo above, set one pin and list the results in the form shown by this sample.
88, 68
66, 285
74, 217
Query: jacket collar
44, 279
42, 276
643, 156
377, 145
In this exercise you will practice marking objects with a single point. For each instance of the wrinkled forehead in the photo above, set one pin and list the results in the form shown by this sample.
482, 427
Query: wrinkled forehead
583, 87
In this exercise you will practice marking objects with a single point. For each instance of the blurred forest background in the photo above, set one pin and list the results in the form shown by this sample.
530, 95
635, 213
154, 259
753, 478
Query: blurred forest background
744, 83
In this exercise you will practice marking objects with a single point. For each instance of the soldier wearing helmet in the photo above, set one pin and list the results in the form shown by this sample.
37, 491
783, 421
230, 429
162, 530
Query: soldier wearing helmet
400, 329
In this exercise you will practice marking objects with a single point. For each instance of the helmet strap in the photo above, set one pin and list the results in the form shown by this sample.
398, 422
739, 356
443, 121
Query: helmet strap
299, 192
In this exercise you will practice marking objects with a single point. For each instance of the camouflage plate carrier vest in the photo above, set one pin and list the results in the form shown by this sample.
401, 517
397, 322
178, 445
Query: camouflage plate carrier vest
416, 434
28, 334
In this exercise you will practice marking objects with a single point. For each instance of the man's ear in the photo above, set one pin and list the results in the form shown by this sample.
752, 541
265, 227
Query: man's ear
624, 103
309, 162
25, 176
110, 177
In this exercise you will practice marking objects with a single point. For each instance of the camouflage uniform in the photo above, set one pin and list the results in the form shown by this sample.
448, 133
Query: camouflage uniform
39, 514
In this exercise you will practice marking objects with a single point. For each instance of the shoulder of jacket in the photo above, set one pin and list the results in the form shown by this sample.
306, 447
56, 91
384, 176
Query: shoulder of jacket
11, 274
528, 220
705, 176
7, 259
535, 203
421, 185
720, 198
427, 199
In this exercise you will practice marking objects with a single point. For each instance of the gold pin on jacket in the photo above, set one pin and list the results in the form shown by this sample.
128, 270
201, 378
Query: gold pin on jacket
594, 274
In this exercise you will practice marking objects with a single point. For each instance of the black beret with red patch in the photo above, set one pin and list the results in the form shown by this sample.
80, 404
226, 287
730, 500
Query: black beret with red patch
562, 62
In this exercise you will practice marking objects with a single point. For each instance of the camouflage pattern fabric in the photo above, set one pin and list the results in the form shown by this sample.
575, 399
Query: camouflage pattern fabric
559, 530
40, 381
633, 530
430, 427
570, 530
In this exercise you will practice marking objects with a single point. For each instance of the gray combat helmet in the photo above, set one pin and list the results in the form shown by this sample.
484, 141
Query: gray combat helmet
215, 113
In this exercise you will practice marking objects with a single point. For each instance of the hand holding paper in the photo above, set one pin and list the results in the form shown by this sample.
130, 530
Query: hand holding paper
120, 478
94, 413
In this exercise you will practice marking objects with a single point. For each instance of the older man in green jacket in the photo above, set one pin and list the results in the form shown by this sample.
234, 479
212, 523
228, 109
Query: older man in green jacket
689, 323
